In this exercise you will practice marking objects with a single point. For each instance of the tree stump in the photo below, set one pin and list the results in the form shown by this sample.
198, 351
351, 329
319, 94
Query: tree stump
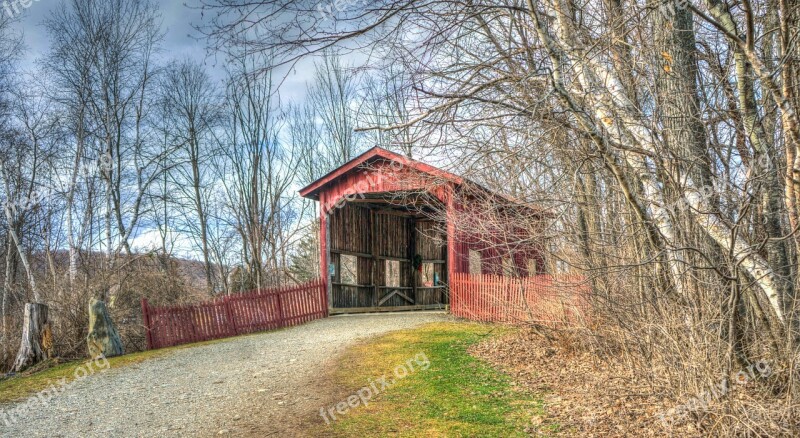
34, 324
103, 339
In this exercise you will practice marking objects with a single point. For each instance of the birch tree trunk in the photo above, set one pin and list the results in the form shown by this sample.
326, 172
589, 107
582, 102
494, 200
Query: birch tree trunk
73, 186
23, 258
784, 97
764, 172
789, 24
605, 93
35, 316
6, 290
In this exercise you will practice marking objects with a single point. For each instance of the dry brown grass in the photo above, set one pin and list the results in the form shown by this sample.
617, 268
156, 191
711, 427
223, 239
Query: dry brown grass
593, 396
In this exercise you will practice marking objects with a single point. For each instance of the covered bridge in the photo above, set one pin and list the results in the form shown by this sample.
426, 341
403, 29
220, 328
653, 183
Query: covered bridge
394, 230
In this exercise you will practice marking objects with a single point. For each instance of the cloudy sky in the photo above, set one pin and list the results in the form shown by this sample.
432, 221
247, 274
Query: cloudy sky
181, 40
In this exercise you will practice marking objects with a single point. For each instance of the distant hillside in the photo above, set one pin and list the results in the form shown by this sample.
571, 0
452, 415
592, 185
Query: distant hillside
191, 272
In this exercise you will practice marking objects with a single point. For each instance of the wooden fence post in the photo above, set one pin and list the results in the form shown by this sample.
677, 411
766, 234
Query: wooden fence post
146, 321
323, 291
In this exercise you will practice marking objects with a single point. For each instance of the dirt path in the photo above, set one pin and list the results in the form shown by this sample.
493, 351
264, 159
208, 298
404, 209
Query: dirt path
269, 384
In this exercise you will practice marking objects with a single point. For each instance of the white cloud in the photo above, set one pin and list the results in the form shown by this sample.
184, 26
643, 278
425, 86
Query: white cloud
178, 244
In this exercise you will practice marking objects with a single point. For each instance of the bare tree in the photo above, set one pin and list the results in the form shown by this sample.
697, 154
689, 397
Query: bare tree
333, 95
20, 170
104, 50
71, 58
261, 173
389, 101
621, 112
191, 110
8, 49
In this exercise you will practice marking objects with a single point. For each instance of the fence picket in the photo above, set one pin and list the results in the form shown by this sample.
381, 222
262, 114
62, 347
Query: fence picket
253, 311
541, 299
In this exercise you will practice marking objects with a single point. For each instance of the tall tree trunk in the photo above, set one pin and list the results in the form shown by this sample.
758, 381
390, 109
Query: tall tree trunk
764, 171
35, 324
6, 290
23, 258
613, 108
201, 217
790, 84
13, 224
784, 98
763, 167
679, 105
678, 100
73, 250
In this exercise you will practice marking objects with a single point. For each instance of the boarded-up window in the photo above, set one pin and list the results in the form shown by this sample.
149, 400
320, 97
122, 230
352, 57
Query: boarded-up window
392, 273
428, 276
474, 262
348, 272
532, 267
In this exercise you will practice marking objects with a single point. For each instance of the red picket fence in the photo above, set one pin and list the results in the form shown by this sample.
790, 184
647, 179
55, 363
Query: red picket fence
541, 299
234, 315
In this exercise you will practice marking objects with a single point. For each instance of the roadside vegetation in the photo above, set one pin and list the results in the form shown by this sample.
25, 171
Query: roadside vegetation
456, 395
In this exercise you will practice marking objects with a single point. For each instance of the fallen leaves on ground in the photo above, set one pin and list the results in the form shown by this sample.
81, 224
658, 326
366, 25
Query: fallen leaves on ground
583, 395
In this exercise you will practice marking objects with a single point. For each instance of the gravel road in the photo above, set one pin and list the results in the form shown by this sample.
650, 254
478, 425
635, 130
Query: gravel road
268, 384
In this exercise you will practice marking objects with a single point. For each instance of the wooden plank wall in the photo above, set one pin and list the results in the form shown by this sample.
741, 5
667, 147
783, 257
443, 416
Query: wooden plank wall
392, 234
376, 235
431, 244
350, 229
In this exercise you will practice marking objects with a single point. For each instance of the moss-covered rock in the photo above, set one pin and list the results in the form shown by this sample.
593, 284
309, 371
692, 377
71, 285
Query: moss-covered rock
103, 338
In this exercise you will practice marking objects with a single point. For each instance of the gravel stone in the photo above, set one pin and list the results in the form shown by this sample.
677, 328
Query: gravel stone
266, 384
